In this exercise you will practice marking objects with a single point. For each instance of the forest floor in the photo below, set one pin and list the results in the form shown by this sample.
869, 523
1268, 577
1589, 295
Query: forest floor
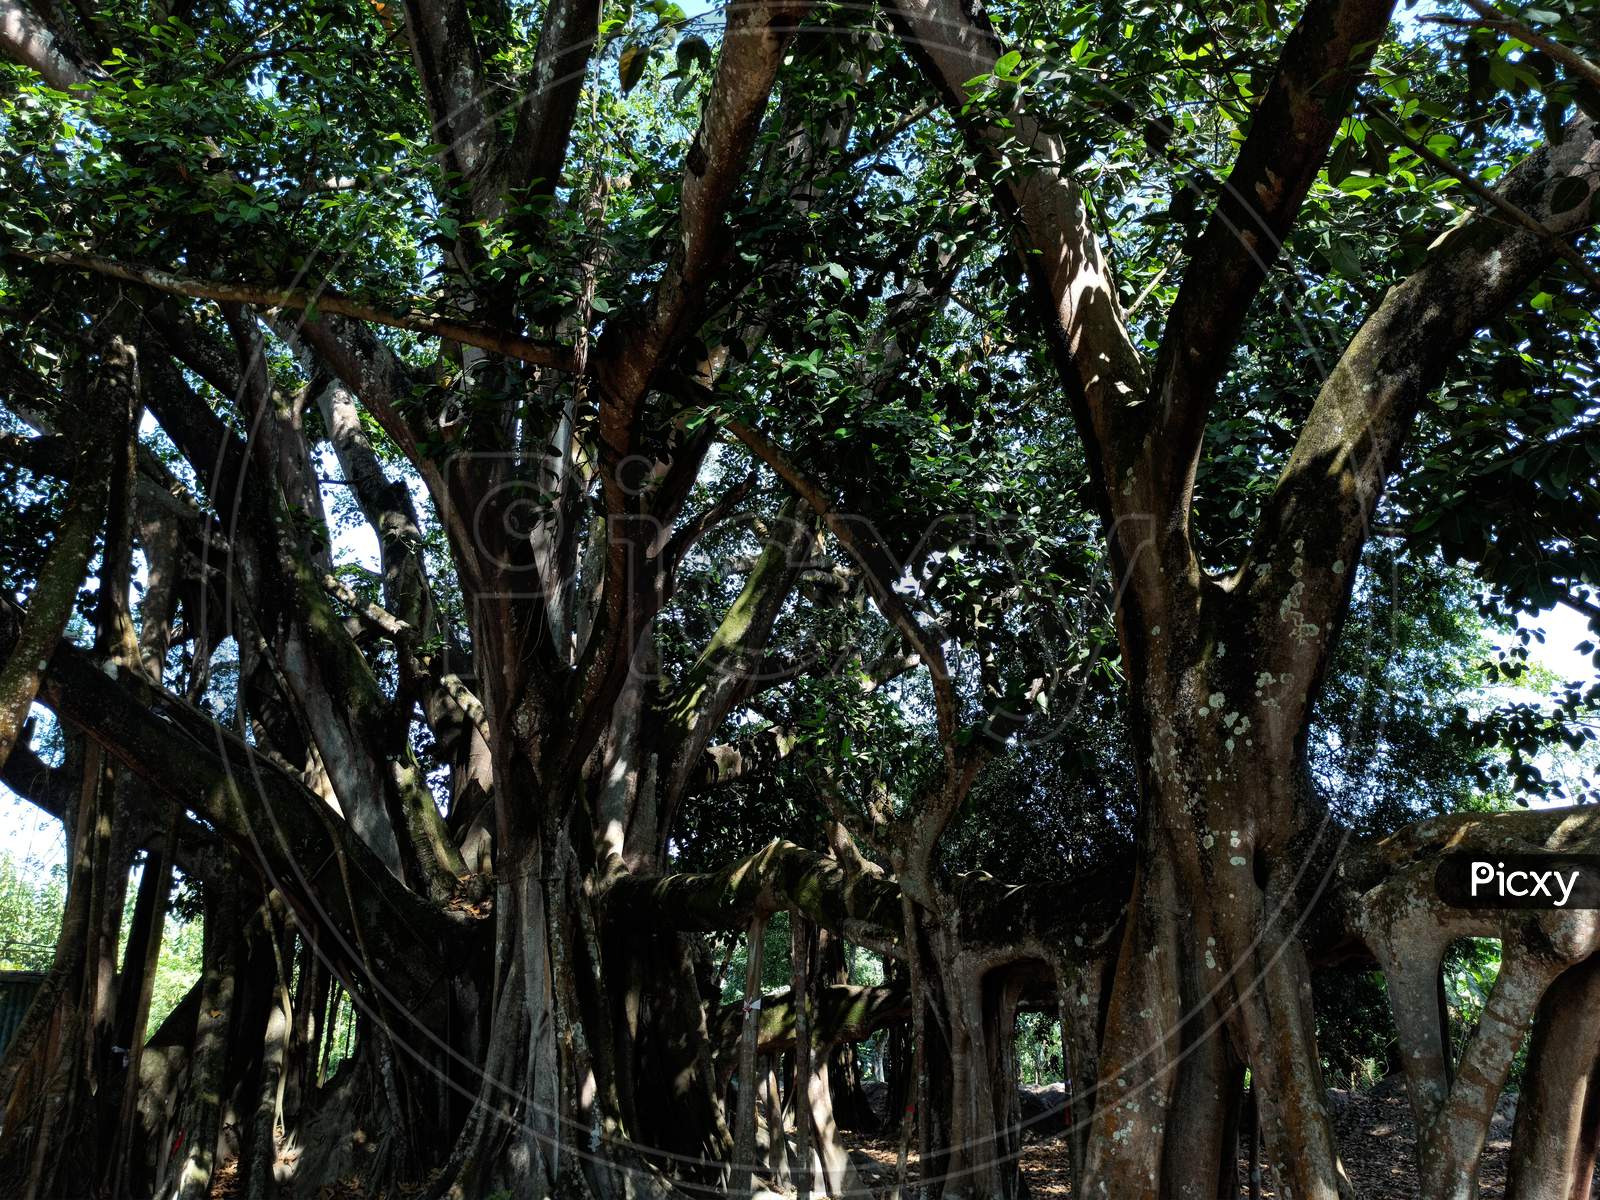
1373, 1126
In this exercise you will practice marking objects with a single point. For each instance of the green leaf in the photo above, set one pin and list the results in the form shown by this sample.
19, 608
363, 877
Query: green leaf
631, 65
693, 51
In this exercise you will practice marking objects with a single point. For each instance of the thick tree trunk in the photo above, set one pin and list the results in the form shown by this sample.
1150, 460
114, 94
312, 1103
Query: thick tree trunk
1200, 1146
259, 1169
1452, 1143
201, 1121
1002, 994
850, 1106
1587, 1156
804, 1077
1080, 991
772, 1146
133, 1006
55, 1063
1232, 838
1552, 1150
1136, 1075
310, 1003
833, 1173
163, 1071
744, 1142
1272, 988
51, 601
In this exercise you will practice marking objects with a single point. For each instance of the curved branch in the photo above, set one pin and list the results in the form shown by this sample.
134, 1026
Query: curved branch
27, 39
754, 44
728, 668
322, 300
780, 876
1567, 57
876, 562
51, 454
1487, 194
272, 819
1290, 133
955, 45
379, 619
450, 67
732, 761
54, 790
841, 1013
539, 146
33, 635
1300, 567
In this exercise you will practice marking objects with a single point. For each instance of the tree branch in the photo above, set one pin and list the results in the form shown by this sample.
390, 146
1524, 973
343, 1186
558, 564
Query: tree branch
1301, 564
636, 346
1290, 133
780, 876
323, 300
633, 349
55, 790
27, 39
31, 637
1567, 57
1487, 194
371, 615
743, 757
272, 819
715, 513
51, 454
543, 134
954, 43
873, 557
843, 1013
740, 759
726, 669
450, 68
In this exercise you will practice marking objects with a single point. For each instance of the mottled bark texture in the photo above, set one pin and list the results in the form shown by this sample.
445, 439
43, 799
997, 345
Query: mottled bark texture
1224, 668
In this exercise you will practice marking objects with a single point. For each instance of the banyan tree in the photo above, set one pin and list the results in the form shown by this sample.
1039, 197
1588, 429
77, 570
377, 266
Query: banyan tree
510, 502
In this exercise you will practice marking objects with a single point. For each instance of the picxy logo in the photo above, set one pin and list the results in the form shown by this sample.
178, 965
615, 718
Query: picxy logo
1485, 876
1537, 879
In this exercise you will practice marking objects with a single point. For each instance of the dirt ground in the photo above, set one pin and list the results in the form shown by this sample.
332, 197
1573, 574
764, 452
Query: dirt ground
1375, 1140
1373, 1127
